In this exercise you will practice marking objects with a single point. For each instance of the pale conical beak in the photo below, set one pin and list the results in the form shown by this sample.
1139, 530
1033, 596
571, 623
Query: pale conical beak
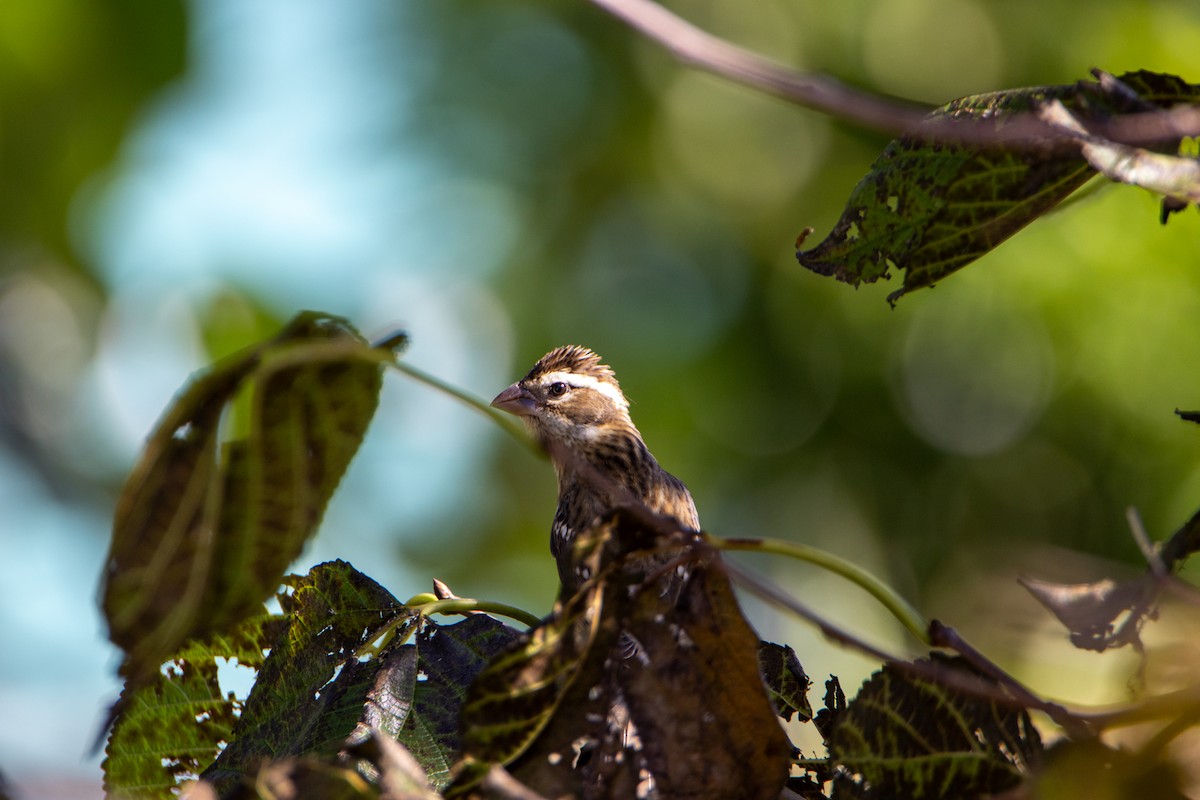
515, 400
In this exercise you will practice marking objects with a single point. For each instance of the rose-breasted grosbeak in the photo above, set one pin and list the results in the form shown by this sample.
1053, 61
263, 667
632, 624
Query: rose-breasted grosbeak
574, 406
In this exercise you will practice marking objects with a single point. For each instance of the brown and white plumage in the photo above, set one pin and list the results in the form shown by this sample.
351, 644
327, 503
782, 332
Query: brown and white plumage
574, 406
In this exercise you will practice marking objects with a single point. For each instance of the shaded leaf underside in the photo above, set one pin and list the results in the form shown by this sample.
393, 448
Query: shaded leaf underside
633, 678
203, 531
324, 687
908, 736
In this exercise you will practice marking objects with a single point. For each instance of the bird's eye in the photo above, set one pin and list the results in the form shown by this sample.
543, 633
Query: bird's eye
558, 389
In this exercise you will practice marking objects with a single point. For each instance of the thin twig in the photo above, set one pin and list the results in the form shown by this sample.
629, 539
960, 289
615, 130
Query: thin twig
467, 605
771, 593
702, 50
506, 422
886, 595
500, 783
1171, 176
1149, 551
994, 684
945, 636
1170, 705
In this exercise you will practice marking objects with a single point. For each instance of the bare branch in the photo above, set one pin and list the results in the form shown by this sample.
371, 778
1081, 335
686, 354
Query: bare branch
702, 50
1149, 552
945, 636
1170, 176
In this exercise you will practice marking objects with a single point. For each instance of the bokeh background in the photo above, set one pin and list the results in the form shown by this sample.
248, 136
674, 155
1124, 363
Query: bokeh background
500, 177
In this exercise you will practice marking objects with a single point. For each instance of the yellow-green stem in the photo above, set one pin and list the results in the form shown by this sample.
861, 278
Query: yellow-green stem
510, 425
461, 605
908, 616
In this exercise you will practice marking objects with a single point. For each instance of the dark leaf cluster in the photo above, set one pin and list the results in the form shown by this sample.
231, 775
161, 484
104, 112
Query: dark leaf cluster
950, 190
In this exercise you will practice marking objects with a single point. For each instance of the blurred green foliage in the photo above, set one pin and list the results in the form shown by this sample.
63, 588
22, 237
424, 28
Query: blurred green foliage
73, 76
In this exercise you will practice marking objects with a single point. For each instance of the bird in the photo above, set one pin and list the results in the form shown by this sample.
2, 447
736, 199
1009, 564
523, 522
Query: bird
574, 407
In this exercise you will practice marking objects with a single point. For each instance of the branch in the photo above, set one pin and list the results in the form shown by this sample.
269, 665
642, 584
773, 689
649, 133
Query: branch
908, 616
702, 50
945, 636
1170, 176
506, 422
776, 596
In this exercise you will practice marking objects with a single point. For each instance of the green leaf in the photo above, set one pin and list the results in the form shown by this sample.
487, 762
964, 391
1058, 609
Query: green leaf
450, 658
786, 681
203, 532
324, 688
909, 736
176, 724
311, 691
930, 208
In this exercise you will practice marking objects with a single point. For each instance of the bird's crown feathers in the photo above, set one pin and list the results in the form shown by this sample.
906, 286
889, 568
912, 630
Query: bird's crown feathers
574, 359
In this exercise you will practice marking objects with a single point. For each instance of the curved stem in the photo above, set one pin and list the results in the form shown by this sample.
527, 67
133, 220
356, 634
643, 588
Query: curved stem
702, 50
463, 605
506, 422
900, 608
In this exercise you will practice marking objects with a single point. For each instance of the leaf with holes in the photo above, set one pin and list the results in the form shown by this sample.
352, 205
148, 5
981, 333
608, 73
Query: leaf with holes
930, 208
178, 722
311, 691
786, 681
448, 659
203, 531
324, 688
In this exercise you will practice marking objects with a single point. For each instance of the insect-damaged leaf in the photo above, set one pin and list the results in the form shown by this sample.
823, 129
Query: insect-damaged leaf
203, 531
909, 736
786, 681
324, 688
178, 721
932, 208
311, 691
513, 701
1104, 614
642, 684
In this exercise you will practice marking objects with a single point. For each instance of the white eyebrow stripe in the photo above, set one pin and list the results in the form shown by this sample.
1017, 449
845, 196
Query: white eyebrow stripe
578, 381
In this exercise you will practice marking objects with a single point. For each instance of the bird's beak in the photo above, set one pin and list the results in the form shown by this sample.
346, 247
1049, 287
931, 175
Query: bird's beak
515, 400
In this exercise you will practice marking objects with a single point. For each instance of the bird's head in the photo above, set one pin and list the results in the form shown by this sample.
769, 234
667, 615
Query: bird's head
568, 399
